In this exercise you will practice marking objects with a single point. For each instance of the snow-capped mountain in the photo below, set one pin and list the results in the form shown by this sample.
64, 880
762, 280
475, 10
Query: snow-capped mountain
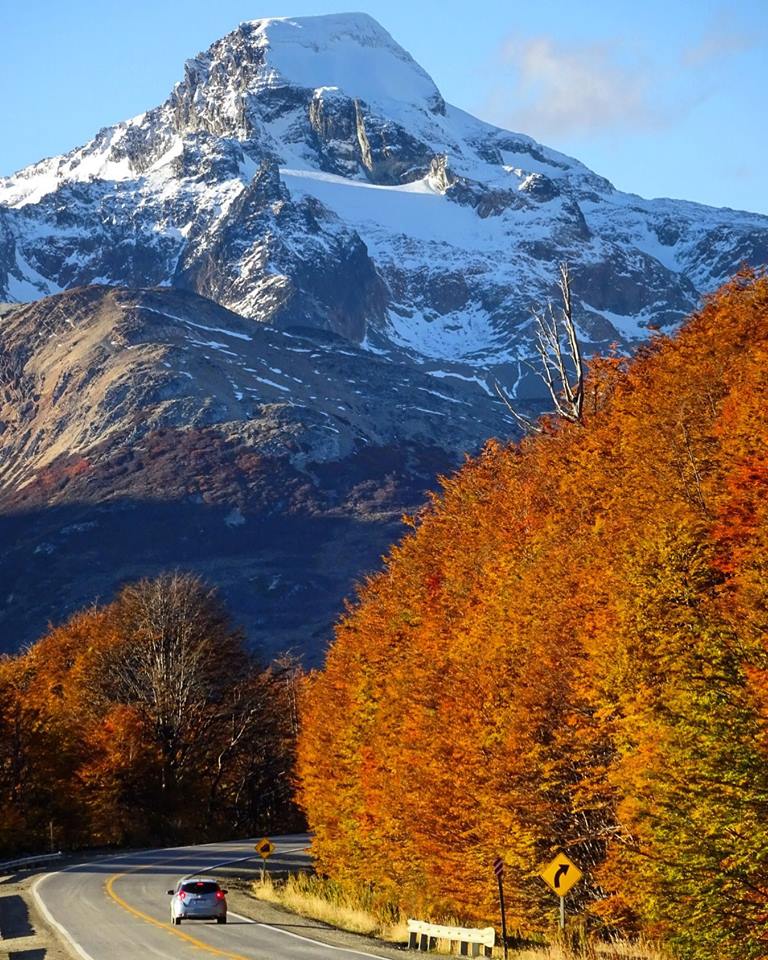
309, 172
269, 312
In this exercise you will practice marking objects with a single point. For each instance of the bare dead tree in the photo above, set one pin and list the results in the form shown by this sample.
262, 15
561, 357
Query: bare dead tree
179, 665
560, 365
219, 726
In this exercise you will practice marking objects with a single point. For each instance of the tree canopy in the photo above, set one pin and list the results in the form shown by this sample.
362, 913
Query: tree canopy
145, 721
570, 652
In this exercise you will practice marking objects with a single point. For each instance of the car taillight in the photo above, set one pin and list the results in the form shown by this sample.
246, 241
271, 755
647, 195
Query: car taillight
182, 895
219, 894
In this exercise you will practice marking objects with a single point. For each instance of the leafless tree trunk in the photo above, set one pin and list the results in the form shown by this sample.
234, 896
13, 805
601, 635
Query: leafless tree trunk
176, 668
247, 722
259, 781
561, 365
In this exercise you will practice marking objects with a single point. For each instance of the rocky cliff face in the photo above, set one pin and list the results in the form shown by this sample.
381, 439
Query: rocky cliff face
265, 314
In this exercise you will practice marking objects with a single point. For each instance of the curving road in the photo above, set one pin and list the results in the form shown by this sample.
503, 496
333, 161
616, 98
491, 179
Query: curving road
117, 908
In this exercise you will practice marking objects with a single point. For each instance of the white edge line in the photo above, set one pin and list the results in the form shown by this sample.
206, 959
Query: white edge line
298, 936
68, 938
213, 866
317, 943
226, 863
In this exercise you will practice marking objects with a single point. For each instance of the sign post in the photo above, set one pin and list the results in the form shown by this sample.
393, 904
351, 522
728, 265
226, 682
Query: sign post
498, 869
264, 848
560, 875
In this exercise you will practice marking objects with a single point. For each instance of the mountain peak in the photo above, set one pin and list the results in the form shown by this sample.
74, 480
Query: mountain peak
307, 173
349, 53
382, 250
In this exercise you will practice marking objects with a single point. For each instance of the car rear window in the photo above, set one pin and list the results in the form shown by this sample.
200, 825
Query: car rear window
200, 886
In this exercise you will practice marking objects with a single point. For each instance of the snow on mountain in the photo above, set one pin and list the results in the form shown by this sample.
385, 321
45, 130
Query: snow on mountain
148, 429
100, 362
307, 171
346, 53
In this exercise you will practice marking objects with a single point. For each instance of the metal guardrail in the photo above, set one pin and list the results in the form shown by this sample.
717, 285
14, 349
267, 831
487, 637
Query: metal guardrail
423, 936
23, 861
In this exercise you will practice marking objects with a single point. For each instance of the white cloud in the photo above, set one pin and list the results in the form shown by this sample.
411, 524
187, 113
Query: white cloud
573, 89
720, 40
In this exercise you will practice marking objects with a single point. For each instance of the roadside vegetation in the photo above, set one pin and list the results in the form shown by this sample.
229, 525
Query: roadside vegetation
570, 652
356, 909
353, 909
145, 721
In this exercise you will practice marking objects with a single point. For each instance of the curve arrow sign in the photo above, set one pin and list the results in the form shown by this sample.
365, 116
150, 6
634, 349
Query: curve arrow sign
561, 874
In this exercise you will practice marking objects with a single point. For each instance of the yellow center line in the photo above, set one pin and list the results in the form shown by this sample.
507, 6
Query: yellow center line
200, 944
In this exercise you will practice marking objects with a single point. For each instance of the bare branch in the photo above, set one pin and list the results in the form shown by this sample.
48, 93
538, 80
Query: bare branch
561, 365
527, 425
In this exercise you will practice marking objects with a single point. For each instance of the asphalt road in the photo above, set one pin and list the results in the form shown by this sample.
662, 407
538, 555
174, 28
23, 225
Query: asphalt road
118, 908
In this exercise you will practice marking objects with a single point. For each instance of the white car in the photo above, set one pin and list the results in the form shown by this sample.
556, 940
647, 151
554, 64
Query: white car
198, 898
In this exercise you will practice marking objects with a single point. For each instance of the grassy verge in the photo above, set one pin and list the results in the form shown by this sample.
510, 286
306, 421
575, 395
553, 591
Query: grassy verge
356, 911
324, 900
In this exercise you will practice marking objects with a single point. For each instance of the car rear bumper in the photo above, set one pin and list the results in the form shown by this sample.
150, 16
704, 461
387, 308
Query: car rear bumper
201, 914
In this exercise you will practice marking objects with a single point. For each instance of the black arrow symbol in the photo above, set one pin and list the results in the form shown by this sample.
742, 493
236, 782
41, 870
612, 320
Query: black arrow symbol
561, 872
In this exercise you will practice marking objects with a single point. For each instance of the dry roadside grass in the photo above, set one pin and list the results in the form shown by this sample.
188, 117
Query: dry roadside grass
619, 950
323, 900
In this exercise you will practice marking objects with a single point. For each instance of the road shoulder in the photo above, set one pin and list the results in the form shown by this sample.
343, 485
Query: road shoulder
24, 933
238, 882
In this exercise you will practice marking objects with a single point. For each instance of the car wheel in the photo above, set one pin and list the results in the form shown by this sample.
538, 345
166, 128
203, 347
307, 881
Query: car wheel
177, 921
221, 919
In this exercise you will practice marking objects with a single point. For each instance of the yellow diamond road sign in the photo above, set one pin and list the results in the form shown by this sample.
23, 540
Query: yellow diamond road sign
264, 847
561, 874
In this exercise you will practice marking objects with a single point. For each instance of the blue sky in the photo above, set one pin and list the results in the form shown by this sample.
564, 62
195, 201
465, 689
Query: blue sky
664, 97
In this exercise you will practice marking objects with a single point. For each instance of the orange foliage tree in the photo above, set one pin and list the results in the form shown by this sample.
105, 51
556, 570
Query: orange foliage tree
569, 652
145, 721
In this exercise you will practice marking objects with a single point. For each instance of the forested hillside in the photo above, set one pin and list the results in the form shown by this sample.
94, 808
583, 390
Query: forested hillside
570, 652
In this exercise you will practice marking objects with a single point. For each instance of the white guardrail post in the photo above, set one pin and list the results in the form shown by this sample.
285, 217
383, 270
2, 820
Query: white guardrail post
423, 936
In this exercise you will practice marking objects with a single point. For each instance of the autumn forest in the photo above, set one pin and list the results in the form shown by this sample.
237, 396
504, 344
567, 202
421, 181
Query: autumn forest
145, 721
570, 652
567, 652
